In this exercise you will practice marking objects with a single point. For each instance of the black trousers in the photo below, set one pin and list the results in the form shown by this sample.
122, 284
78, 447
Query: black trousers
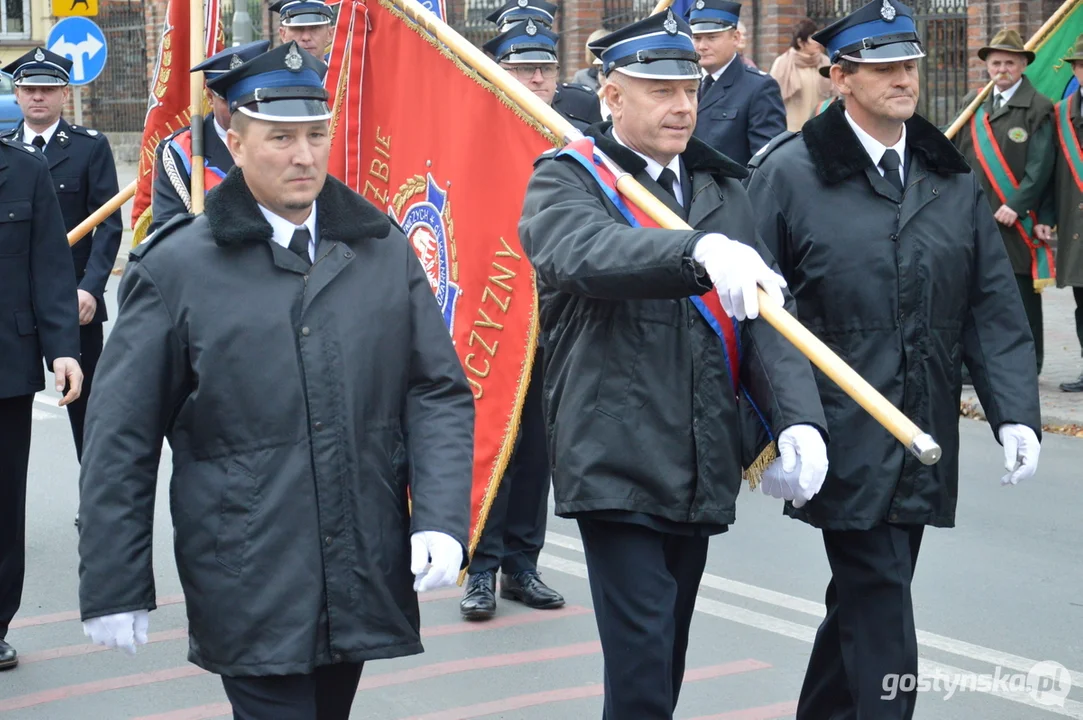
1078, 293
90, 349
1032, 305
326, 694
643, 584
868, 632
15, 416
515, 529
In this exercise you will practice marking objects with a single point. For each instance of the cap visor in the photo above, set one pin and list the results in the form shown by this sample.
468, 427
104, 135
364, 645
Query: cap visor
663, 70
895, 52
40, 81
292, 110
529, 56
306, 19
703, 28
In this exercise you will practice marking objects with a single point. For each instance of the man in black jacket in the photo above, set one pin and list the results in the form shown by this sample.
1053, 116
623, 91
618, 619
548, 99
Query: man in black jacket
84, 178
300, 435
892, 253
643, 394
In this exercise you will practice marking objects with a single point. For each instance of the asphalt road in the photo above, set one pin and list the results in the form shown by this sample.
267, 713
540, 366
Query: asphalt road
998, 591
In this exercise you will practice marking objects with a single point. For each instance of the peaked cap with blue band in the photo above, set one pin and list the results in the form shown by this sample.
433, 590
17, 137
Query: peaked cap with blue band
295, 13
515, 11
658, 47
40, 68
881, 31
231, 57
707, 16
284, 85
525, 42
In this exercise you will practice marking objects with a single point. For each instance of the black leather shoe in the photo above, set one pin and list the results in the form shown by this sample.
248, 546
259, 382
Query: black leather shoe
8, 657
1074, 386
479, 600
526, 587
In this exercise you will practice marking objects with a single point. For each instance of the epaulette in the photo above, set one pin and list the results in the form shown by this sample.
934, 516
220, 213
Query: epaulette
20, 145
171, 225
86, 131
547, 155
769, 148
754, 71
577, 86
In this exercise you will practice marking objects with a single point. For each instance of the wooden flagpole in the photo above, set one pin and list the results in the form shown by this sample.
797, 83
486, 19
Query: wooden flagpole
98, 216
196, 44
910, 435
1034, 43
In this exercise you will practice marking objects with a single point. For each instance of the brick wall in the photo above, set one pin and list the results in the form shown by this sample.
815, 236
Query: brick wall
772, 27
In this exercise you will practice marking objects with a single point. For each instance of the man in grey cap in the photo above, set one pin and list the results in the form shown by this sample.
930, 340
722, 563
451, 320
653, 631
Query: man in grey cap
307, 22
300, 429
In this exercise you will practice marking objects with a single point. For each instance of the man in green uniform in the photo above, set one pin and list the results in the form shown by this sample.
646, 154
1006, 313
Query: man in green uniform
1009, 144
1064, 205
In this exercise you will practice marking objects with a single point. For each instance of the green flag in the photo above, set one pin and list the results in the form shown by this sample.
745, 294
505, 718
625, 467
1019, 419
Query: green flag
1050, 74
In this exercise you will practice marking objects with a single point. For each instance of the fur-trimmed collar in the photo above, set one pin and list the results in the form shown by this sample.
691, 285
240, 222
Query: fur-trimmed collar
341, 214
837, 153
697, 156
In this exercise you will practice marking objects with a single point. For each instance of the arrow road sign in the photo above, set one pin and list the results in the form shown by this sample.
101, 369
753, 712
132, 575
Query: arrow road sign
82, 42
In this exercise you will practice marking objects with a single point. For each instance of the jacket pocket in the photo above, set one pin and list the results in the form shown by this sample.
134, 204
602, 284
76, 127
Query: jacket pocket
240, 502
66, 184
723, 114
25, 323
15, 227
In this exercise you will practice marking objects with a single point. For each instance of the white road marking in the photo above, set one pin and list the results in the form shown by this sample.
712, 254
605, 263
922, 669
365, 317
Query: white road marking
806, 633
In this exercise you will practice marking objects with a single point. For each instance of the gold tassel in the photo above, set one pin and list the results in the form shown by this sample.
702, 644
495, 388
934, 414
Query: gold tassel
755, 471
139, 231
1042, 283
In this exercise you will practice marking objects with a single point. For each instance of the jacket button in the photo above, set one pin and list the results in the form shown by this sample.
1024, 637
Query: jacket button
936, 191
11, 216
893, 517
336, 657
305, 331
347, 254
329, 540
61, 186
894, 237
318, 426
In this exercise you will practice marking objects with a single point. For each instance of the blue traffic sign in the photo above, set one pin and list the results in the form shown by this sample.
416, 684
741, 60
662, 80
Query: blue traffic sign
82, 42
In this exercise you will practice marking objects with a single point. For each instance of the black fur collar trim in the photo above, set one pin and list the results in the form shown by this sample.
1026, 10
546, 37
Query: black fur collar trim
341, 214
837, 153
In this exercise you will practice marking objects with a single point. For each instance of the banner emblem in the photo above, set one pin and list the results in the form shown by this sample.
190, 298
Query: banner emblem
427, 225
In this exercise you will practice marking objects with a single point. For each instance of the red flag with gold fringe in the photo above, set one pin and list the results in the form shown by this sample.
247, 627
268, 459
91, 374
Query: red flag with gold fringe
169, 108
427, 139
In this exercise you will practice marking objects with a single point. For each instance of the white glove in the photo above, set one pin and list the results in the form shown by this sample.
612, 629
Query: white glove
798, 473
735, 270
435, 560
1021, 448
123, 630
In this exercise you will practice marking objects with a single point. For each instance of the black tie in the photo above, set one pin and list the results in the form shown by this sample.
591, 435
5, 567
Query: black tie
998, 102
666, 178
704, 86
299, 244
890, 163
39, 143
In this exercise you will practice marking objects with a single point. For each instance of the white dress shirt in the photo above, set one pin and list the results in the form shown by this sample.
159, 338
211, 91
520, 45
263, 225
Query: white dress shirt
1007, 94
47, 134
654, 169
876, 149
221, 132
718, 73
283, 229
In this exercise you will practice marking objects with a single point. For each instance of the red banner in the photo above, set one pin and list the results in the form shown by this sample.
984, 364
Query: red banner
437, 147
169, 107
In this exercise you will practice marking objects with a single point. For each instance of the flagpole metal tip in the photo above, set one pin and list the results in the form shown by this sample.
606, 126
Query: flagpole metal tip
925, 449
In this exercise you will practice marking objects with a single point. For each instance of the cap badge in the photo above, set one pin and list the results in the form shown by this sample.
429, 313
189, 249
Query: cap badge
670, 23
294, 61
531, 28
39, 55
235, 62
523, 3
700, 4
887, 11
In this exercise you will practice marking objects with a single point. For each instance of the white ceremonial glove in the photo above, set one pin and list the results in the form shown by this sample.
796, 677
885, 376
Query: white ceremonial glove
798, 473
1021, 448
435, 560
123, 630
736, 269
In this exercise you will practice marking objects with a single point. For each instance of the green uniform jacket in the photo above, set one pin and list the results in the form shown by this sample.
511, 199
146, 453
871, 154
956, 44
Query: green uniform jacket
1064, 208
1029, 155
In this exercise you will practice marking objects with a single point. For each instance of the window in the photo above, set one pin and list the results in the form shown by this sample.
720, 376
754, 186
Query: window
14, 19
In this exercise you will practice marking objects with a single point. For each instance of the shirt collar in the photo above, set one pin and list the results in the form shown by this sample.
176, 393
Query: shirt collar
29, 135
1007, 94
282, 229
718, 73
221, 131
874, 147
654, 168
